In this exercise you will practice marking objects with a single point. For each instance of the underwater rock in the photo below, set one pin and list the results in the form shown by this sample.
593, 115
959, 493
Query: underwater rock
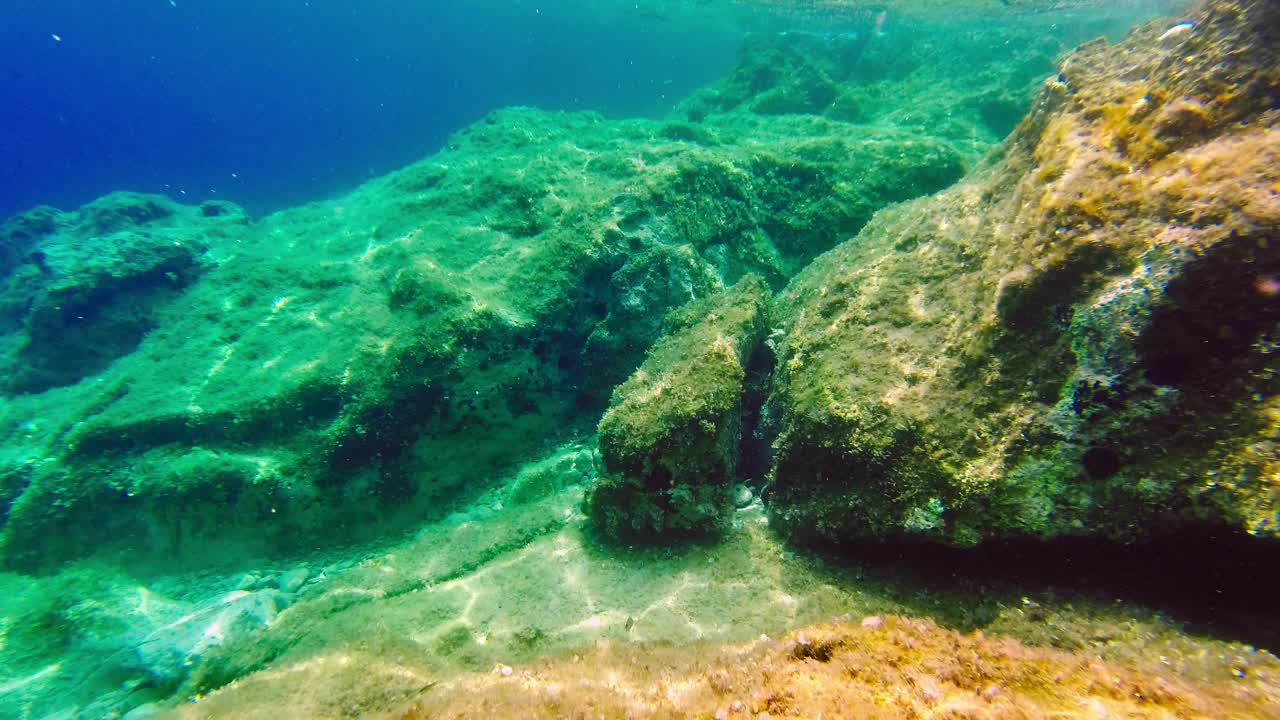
571, 465
81, 289
766, 208
89, 641
20, 232
291, 581
670, 438
168, 654
1078, 339
909, 78
647, 285
347, 369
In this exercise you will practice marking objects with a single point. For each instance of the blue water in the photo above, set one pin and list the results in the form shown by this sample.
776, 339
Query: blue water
273, 102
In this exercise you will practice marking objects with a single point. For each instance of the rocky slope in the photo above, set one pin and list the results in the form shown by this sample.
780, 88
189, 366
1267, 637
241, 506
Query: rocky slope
303, 374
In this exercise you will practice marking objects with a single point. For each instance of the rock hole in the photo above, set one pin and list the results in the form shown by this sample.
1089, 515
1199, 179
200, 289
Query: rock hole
1101, 463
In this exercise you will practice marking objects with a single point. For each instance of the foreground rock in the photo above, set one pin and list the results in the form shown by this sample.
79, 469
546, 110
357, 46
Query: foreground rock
92, 642
671, 435
1079, 338
879, 667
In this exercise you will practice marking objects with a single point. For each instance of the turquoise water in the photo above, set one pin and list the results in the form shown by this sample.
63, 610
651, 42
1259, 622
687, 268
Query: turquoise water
566, 359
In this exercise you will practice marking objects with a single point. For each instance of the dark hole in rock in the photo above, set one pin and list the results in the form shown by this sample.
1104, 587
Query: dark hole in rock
660, 478
755, 444
587, 402
1101, 463
821, 651
1167, 368
38, 259
1210, 316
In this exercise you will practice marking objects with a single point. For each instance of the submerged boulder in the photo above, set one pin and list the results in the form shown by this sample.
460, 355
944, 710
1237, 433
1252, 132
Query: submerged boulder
80, 289
1079, 338
669, 440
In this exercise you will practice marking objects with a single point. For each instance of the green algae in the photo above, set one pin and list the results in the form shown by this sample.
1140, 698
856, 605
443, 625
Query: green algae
336, 370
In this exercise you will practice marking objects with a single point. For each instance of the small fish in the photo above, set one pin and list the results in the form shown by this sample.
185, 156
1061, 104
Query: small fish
1176, 30
56, 37
631, 622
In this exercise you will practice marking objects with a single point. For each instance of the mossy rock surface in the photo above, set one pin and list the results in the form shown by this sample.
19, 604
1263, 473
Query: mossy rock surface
670, 437
1075, 340
79, 290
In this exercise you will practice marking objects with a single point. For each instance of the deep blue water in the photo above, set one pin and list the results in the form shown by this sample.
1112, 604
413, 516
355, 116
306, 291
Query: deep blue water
273, 102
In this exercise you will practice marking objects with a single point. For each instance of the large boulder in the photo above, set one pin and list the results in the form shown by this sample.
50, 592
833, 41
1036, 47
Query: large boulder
1078, 339
670, 438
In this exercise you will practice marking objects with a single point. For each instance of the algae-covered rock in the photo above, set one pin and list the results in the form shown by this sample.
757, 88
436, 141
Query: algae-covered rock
778, 193
912, 72
670, 438
647, 285
570, 465
341, 370
1077, 339
80, 289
